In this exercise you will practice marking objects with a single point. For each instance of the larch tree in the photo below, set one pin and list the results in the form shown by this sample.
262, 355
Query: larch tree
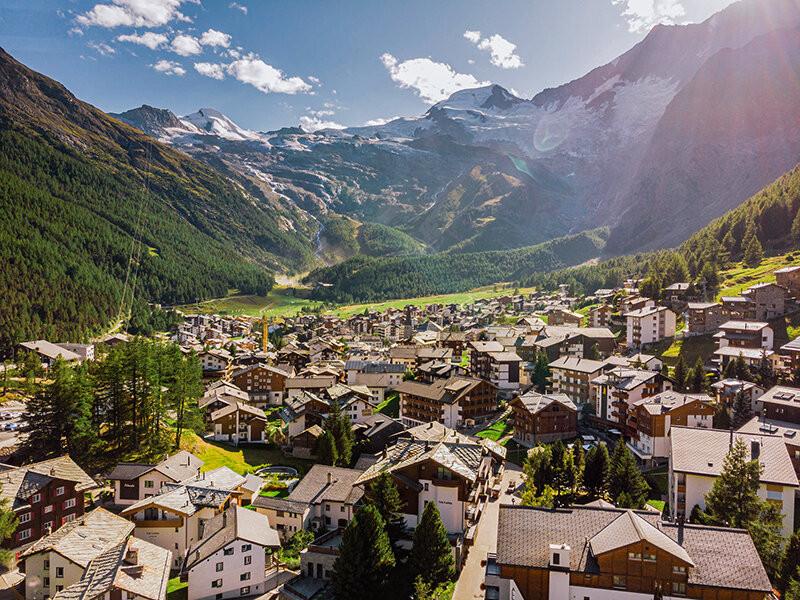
431, 556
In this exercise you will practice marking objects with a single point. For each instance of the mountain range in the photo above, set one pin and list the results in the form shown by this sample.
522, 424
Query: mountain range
675, 128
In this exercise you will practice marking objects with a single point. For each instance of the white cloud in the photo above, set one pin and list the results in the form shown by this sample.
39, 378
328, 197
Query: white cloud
473, 36
102, 48
433, 81
169, 67
501, 51
314, 123
266, 78
237, 6
150, 39
212, 37
642, 15
186, 45
379, 121
133, 13
215, 71
314, 80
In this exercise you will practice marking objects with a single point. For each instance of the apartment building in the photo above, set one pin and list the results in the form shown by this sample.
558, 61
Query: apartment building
572, 377
752, 340
768, 299
451, 402
649, 325
543, 418
703, 317
613, 393
264, 384
135, 481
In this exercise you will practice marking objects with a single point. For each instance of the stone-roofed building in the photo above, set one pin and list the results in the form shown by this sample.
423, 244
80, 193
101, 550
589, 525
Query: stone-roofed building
48, 352
229, 561
265, 384
696, 457
615, 391
377, 376
593, 552
432, 463
451, 402
571, 376
239, 423
703, 317
543, 418
135, 481
44, 496
325, 498
649, 325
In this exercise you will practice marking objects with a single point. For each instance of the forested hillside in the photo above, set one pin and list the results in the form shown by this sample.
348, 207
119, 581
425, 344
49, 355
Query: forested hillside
77, 187
363, 279
768, 222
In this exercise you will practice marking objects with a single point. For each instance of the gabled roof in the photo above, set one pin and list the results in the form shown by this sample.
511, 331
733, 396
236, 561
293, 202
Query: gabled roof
234, 524
85, 538
177, 467
50, 350
535, 402
446, 391
323, 483
17, 484
582, 365
629, 528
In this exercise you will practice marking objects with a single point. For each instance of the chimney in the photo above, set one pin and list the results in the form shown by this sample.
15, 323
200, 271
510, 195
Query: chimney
132, 556
755, 449
681, 522
52, 471
430, 425
330, 477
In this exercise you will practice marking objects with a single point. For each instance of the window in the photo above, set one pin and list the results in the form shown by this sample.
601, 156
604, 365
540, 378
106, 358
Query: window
59, 572
59, 588
248, 559
678, 570
48, 526
149, 484
634, 556
131, 595
228, 551
36, 498
70, 503
25, 517
24, 534
426, 486
67, 518
217, 583
649, 557
244, 576
46, 582
48, 509
774, 494
327, 508
556, 559
60, 490
619, 582
220, 566
46, 564
443, 473
245, 591
679, 588
218, 597
246, 547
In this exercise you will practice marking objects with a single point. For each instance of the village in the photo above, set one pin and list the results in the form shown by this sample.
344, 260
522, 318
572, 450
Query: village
554, 442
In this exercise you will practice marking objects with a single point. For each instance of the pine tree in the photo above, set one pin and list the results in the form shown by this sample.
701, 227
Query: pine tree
340, 427
795, 231
541, 372
741, 410
730, 370
626, 484
595, 473
326, 450
733, 500
431, 555
8, 525
365, 558
742, 370
538, 473
579, 459
383, 494
752, 251
563, 468
680, 373
184, 390
698, 376
790, 562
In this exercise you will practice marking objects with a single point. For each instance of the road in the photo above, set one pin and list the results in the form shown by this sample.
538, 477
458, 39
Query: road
468, 586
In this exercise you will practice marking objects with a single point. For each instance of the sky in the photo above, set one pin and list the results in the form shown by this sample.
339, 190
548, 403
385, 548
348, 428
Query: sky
321, 63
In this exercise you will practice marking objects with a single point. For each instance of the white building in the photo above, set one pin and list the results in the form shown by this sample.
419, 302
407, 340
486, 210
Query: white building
229, 561
135, 481
649, 325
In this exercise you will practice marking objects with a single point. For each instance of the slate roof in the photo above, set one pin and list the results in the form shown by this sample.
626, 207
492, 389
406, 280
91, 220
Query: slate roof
50, 350
314, 488
17, 484
702, 452
629, 528
535, 402
721, 557
446, 391
783, 395
234, 524
582, 365
666, 401
373, 367
83, 539
177, 467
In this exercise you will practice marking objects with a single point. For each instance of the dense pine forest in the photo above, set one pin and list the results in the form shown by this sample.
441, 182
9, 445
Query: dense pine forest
77, 187
369, 279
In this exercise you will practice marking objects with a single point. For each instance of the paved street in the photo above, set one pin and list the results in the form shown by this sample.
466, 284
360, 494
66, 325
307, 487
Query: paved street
469, 582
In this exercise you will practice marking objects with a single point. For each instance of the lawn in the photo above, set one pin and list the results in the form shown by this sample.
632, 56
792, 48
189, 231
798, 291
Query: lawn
740, 276
659, 504
279, 493
390, 405
177, 589
496, 431
690, 348
242, 459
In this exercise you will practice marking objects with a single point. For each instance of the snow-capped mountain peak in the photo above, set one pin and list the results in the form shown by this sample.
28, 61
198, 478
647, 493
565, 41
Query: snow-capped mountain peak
213, 122
489, 97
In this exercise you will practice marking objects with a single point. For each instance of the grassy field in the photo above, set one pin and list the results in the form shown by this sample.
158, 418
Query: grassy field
177, 589
740, 277
690, 348
495, 431
281, 303
242, 459
390, 405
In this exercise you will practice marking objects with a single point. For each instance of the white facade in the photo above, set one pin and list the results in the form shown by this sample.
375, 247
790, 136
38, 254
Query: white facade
450, 507
648, 326
150, 484
48, 573
171, 531
235, 570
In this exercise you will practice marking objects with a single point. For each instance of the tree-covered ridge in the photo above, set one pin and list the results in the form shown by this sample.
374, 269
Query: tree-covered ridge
74, 184
375, 239
369, 279
769, 222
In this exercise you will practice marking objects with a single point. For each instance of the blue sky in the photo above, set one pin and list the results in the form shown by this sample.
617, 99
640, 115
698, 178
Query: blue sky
273, 63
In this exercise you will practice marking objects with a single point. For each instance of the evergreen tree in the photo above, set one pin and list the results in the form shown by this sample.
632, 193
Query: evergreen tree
793, 591
722, 419
541, 372
790, 562
766, 532
538, 473
383, 494
431, 555
795, 231
326, 450
365, 558
626, 484
579, 460
742, 370
564, 474
8, 525
730, 370
340, 427
698, 376
752, 251
186, 387
741, 410
680, 373
733, 500
595, 474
